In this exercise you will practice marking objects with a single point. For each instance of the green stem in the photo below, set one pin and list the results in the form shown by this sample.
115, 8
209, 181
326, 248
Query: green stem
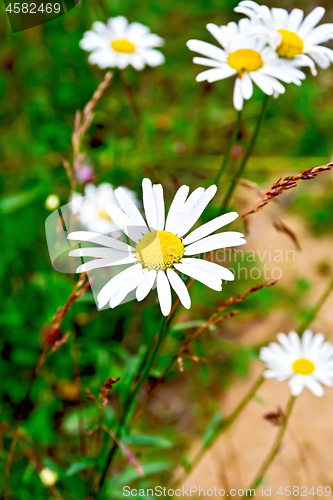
242, 166
274, 450
130, 403
229, 149
316, 309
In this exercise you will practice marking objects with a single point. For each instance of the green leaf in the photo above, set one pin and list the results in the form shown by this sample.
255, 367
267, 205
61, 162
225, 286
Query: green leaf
190, 324
143, 439
15, 201
71, 421
80, 466
130, 474
211, 429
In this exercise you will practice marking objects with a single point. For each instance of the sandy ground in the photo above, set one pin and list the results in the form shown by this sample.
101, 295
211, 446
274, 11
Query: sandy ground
306, 456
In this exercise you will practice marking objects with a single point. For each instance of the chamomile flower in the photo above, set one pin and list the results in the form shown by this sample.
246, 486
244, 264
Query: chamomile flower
118, 44
306, 362
297, 39
161, 246
245, 56
89, 208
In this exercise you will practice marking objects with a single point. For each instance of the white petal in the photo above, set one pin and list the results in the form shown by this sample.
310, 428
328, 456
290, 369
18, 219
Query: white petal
280, 18
210, 227
123, 222
203, 61
99, 252
295, 19
325, 378
213, 75
214, 242
100, 28
126, 287
218, 34
151, 40
115, 283
321, 34
153, 57
160, 209
137, 62
98, 263
323, 56
91, 41
310, 21
295, 342
296, 384
207, 49
103, 58
187, 208
314, 386
210, 267
176, 207
180, 288
131, 210
149, 204
198, 274
307, 340
285, 342
264, 82
238, 95
137, 30
164, 293
247, 86
118, 25
100, 239
146, 284
196, 211
270, 374
318, 341
220, 73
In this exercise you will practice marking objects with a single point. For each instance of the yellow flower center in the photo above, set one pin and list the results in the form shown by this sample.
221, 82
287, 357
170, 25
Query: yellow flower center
123, 46
245, 60
303, 366
159, 250
291, 44
104, 215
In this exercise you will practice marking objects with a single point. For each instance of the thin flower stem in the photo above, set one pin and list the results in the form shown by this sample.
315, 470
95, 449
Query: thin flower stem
313, 313
130, 403
274, 450
243, 164
229, 149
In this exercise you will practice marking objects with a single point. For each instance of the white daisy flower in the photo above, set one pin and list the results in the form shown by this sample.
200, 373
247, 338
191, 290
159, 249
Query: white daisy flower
306, 362
160, 246
298, 39
118, 44
89, 208
245, 56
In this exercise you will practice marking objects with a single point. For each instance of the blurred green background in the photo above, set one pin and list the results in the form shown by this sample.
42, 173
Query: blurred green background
185, 127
